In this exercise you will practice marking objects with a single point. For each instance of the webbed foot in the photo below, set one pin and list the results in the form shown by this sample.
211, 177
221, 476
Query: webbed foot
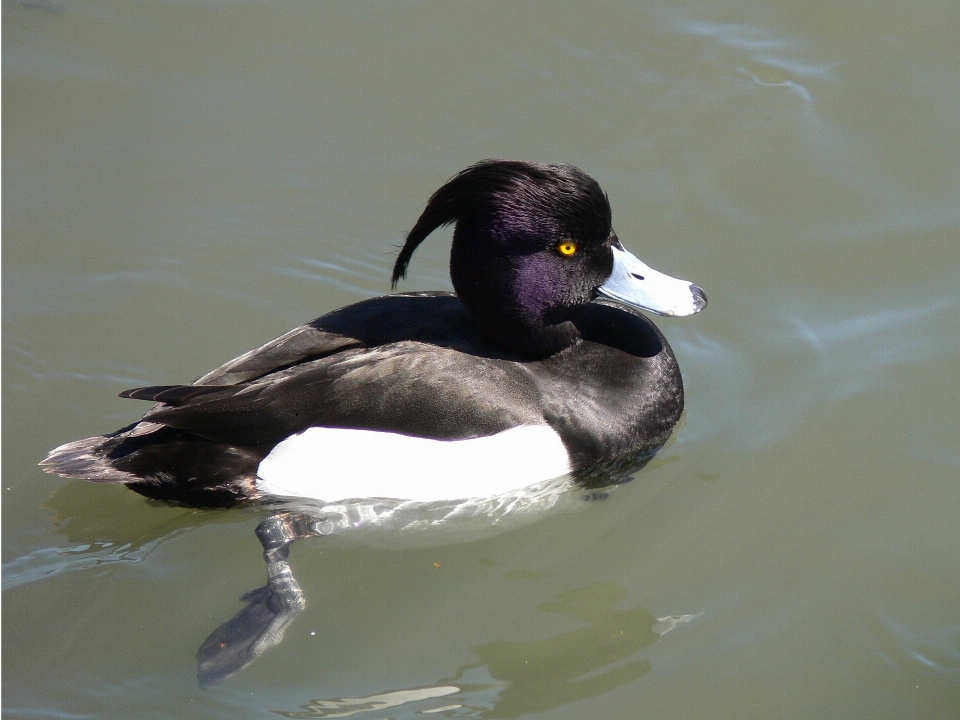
270, 609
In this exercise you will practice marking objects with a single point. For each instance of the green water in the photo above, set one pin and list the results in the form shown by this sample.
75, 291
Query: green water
184, 181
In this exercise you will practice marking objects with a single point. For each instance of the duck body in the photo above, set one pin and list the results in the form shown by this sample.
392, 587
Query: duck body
540, 365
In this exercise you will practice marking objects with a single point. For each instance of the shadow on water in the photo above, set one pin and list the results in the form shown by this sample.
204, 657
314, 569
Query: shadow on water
512, 678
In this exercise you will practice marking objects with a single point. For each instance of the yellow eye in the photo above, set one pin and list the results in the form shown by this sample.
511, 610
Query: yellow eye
567, 248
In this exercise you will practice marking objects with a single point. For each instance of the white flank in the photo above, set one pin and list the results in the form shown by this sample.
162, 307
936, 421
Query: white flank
333, 464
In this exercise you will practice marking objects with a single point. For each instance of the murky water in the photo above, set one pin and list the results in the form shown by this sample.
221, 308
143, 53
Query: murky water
183, 181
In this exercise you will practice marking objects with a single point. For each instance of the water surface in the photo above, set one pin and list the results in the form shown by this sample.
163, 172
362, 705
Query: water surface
184, 181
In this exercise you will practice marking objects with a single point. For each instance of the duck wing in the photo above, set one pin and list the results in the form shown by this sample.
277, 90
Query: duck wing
428, 316
412, 364
177, 394
411, 388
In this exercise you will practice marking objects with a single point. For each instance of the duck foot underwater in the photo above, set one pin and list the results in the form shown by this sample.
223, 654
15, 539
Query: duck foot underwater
270, 609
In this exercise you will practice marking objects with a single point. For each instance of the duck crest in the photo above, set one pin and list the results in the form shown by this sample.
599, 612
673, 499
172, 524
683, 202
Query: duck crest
510, 217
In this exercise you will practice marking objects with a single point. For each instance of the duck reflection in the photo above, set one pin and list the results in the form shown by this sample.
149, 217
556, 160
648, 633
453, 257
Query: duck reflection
513, 678
540, 675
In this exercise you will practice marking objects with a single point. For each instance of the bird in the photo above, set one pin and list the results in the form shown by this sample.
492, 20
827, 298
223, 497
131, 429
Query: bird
540, 364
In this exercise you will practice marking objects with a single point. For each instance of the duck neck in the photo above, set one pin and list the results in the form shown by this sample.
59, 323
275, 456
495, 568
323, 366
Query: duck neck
533, 340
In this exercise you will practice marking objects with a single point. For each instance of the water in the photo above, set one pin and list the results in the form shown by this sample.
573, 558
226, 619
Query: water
184, 181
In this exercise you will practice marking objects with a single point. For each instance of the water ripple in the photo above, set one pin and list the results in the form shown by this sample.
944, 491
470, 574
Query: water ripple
761, 45
809, 357
934, 649
46, 562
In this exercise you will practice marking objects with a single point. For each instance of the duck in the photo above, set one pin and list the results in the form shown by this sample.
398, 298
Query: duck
541, 364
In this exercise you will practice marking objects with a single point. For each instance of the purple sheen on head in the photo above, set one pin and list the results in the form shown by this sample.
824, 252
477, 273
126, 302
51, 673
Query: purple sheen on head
531, 286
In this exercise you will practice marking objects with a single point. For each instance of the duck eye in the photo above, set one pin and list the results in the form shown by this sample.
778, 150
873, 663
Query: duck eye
567, 248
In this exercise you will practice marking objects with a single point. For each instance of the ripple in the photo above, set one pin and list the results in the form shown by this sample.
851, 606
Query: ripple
934, 649
762, 46
47, 562
803, 357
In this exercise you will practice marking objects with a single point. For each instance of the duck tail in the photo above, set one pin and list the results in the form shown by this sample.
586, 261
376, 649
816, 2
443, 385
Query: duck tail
162, 463
88, 459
